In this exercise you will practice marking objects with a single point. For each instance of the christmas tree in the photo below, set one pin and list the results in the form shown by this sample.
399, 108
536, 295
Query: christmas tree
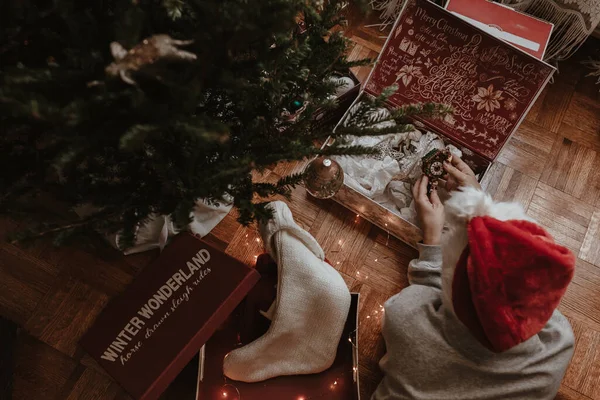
136, 108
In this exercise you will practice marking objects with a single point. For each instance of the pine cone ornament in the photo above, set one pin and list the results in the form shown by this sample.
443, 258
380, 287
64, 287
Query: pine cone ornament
148, 52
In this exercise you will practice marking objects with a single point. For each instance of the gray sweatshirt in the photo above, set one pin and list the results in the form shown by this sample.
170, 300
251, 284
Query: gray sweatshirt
432, 355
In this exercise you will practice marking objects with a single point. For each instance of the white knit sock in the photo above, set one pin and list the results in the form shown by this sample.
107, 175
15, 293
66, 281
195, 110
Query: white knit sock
311, 308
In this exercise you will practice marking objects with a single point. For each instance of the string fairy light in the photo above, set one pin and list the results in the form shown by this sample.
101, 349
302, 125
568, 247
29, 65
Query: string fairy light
256, 239
226, 395
337, 382
387, 240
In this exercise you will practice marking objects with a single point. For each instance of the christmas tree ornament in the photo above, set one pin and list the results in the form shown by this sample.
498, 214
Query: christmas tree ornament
323, 177
149, 51
300, 25
387, 149
433, 166
296, 108
309, 292
296, 105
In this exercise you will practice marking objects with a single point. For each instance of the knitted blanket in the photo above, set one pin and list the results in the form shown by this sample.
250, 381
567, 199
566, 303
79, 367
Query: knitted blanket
574, 21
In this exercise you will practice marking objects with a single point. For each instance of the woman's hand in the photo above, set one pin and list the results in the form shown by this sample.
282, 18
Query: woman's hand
459, 174
430, 211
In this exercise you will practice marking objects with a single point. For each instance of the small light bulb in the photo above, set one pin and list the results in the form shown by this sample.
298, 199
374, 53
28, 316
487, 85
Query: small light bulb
368, 316
257, 239
224, 394
335, 382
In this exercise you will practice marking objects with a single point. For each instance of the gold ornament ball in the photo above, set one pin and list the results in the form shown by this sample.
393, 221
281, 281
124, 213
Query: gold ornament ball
323, 177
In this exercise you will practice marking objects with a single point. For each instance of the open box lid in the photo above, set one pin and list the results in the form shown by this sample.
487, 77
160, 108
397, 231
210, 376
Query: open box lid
149, 333
524, 31
435, 56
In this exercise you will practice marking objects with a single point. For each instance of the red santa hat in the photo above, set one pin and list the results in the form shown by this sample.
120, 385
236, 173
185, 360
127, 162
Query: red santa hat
511, 275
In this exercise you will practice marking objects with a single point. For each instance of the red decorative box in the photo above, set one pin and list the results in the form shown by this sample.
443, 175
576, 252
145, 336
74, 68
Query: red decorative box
147, 335
524, 31
435, 56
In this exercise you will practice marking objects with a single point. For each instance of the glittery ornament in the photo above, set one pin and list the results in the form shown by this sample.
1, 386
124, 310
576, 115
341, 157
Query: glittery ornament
323, 177
296, 105
149, 51
300, 25
386, 149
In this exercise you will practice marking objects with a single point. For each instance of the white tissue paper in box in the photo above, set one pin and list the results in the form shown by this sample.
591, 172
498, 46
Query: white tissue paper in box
387, 178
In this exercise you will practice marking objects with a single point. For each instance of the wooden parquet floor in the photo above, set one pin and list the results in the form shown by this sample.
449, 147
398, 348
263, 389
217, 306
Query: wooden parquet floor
551, 166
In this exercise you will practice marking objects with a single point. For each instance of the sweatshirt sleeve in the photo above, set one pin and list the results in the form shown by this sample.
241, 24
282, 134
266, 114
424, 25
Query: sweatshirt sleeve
558, 340
427, 269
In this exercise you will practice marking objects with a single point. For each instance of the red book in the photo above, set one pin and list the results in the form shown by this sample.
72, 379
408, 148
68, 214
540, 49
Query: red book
521, 30
148, 334
435, 56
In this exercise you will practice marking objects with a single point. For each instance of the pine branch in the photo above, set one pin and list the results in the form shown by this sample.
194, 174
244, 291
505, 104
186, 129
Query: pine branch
264, 189
290, 180
358, 131
31, 235
337, 150
174, 8
424, 110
